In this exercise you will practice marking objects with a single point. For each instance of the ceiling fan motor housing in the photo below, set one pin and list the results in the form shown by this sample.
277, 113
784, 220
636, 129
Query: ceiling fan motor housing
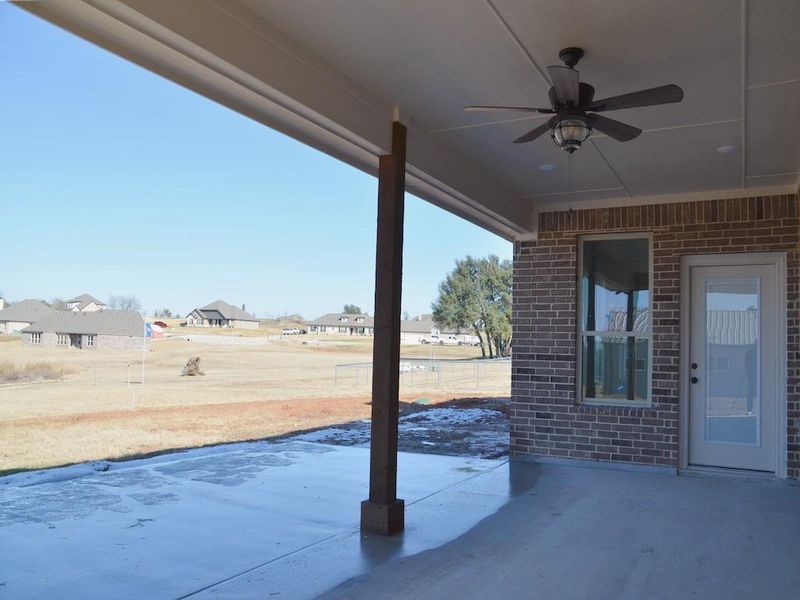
571, 56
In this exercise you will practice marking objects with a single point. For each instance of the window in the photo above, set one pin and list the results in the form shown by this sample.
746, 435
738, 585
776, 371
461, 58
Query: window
36, 338
89, 341
62, 339
615, 327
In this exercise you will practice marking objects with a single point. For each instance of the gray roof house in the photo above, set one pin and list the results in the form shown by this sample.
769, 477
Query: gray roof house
107, 329
343, 324
21, 314
422, 327
221, 314
413, 331
85, 303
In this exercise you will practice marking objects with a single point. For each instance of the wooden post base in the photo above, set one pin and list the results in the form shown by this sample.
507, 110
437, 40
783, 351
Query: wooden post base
385, 519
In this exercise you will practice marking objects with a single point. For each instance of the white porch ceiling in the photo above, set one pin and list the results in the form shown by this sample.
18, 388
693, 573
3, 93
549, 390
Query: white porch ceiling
330, 73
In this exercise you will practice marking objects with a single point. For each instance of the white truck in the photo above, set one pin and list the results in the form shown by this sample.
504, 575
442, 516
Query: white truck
440, 340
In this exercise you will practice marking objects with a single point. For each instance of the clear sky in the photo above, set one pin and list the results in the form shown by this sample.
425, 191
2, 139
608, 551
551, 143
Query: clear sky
116, 181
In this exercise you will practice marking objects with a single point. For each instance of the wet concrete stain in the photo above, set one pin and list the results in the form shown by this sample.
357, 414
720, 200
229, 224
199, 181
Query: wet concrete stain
81, 497
140, 523
224, 469
125, 478
56, 502
154, 499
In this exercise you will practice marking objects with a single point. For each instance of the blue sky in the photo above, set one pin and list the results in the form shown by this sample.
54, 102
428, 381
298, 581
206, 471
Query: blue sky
116, 181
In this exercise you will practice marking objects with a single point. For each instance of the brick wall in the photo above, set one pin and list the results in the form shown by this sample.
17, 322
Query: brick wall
546, 420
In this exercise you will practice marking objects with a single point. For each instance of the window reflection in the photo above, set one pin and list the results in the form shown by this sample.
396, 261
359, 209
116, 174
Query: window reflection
615, 298
732, 357
615, 368
616, 285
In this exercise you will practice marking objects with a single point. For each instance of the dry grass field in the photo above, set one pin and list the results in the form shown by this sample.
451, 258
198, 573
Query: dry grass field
247, 392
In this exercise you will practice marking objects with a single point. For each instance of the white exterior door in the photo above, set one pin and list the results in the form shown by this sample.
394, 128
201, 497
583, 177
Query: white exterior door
735, 377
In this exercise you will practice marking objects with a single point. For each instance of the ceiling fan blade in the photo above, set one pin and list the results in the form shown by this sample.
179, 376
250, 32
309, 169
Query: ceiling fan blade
533, 133
566, 81
663, 94
529, 109
614, 129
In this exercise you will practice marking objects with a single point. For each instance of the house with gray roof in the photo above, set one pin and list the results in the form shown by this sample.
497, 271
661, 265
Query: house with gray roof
423, 330
343, 324
85, 303
16, 317
99, 330
419, 330
221, 314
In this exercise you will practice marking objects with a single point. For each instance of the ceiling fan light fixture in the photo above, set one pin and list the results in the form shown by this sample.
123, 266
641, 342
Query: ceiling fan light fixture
570, 131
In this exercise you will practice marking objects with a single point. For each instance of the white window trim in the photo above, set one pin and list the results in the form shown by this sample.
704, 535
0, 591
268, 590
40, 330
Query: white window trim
579, 323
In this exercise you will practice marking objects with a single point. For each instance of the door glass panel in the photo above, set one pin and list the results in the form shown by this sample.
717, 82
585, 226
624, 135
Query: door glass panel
732, 402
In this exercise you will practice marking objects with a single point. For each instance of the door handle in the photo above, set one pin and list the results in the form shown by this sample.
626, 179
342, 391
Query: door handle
693, 380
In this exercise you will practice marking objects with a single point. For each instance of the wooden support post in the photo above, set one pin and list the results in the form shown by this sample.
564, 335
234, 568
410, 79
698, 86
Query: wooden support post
383, 512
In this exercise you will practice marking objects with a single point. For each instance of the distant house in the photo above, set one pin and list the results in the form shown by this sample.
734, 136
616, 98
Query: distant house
85, 303
20, 315
412, 331
343, 324
422, 327
106, 329
221, 314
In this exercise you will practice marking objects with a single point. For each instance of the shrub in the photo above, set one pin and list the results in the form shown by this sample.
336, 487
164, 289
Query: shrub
38, 371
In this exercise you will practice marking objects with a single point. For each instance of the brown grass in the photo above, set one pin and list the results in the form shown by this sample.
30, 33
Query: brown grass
31, 372
248, 392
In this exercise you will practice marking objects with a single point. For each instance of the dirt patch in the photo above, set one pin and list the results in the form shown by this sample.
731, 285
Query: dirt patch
475, 427
34, 442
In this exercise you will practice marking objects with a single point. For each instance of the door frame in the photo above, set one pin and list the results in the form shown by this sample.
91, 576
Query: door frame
775, 259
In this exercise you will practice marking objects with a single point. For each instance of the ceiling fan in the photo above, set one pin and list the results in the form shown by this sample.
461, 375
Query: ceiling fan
575, 109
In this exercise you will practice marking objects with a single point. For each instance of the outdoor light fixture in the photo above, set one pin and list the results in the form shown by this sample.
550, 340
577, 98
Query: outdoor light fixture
570, 131
575, 109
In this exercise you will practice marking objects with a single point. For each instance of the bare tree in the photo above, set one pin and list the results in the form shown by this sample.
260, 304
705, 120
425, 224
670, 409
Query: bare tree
58, 304
124, 303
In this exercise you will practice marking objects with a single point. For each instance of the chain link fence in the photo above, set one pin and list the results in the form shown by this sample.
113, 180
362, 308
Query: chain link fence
435, 374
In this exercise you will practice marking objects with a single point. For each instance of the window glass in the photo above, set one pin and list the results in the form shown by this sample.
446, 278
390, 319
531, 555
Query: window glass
615, 320
607, 372
615, 285
733, 346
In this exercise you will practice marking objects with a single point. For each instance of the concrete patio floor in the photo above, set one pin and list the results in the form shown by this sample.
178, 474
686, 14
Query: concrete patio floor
279, 520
